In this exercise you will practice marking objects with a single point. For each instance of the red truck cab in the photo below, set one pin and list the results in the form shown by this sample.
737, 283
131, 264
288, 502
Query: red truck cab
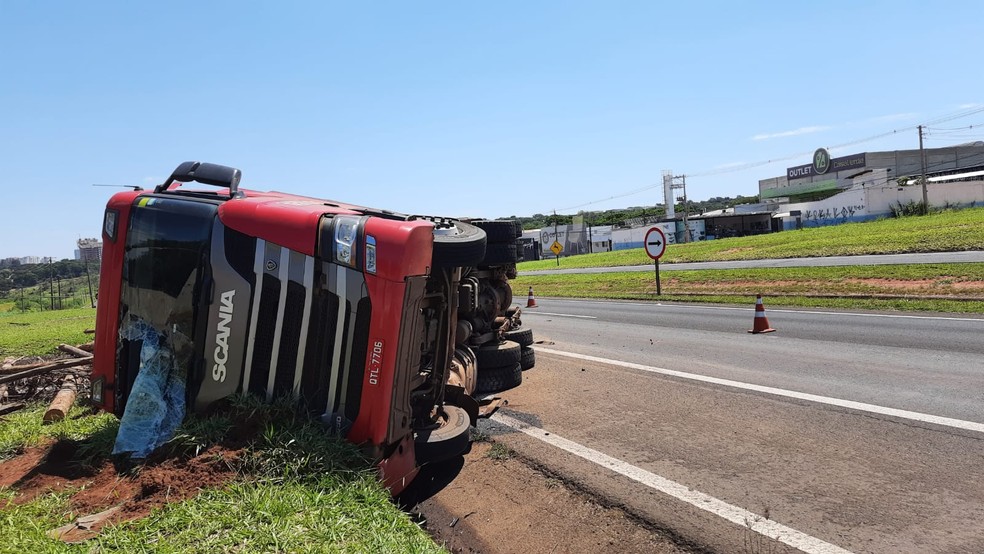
349, 310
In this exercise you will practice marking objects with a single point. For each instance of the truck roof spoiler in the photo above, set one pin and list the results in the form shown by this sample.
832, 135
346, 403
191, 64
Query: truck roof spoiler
206, 174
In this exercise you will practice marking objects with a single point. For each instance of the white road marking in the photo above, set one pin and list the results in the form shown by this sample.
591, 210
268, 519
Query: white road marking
860, 406
781, 310
720, 508
561, 315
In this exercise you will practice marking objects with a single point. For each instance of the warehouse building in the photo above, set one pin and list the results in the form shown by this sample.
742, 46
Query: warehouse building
869, 185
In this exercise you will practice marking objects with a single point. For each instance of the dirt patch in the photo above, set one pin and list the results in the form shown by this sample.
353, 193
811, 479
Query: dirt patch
922, 284
135, 491
499, 504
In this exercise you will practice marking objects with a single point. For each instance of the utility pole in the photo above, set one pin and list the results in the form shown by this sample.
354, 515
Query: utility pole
922, 157
51, 282
590, 239
686, 211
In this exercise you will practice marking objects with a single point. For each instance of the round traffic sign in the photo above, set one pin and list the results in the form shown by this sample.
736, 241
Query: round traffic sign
655, 243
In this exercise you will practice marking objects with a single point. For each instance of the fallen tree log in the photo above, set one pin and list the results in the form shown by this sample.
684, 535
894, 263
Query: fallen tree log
28, 371
75, 351
62, 402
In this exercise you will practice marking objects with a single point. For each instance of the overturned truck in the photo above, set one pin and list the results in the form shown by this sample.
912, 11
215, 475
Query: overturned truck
385, 326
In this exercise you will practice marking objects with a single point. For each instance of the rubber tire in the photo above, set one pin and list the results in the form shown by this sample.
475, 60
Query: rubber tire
528, 359
498, 230
447, 441
498, 379
523, 336
466, 248
498, 253
519, 228
500, 354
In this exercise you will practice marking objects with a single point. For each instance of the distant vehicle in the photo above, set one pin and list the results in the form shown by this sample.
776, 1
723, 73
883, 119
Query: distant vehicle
384, 325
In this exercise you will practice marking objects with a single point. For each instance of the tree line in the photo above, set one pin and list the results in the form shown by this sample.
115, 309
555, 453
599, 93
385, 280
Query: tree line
30, 275
620, 216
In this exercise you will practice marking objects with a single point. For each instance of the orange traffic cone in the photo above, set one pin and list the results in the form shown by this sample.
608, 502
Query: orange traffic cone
531, 302
761, 322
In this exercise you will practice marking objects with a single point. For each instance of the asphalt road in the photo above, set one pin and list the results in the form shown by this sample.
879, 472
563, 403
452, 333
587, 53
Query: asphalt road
928, 363
840, 432
828, 261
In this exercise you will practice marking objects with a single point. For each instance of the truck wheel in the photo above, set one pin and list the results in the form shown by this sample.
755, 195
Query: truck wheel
447, 440
523, 336
458, 244
499, 253
498, 379
500, 354
498, 231
528, 359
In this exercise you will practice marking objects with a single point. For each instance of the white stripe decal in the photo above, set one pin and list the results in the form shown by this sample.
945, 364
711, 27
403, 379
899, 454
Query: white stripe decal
860, 406
255, 312
284, 276
720, 508
305, 321
336, 357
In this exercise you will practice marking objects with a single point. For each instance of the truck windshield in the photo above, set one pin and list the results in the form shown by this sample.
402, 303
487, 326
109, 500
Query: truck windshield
165, 261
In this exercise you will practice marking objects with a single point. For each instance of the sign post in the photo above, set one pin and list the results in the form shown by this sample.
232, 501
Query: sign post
655, 244
557, 248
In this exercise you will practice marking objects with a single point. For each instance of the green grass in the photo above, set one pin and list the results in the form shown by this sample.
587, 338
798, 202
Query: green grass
24, 428
264, 517
948, 231
298, 490
40, 333
957, 288
940, 287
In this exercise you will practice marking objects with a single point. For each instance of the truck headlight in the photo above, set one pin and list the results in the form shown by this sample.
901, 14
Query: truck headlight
96, 391
346, 236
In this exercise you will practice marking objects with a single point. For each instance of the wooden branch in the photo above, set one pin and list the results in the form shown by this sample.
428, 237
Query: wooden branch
43, 368
77, 352
8, 408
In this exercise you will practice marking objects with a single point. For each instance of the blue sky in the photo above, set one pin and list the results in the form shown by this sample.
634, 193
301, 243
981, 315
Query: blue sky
484, 109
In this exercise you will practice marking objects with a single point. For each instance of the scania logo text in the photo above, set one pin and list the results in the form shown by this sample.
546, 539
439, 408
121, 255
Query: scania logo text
222, 336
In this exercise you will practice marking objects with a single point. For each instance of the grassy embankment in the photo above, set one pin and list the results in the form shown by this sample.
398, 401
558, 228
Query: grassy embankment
934, 287
296, 488
39, 333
